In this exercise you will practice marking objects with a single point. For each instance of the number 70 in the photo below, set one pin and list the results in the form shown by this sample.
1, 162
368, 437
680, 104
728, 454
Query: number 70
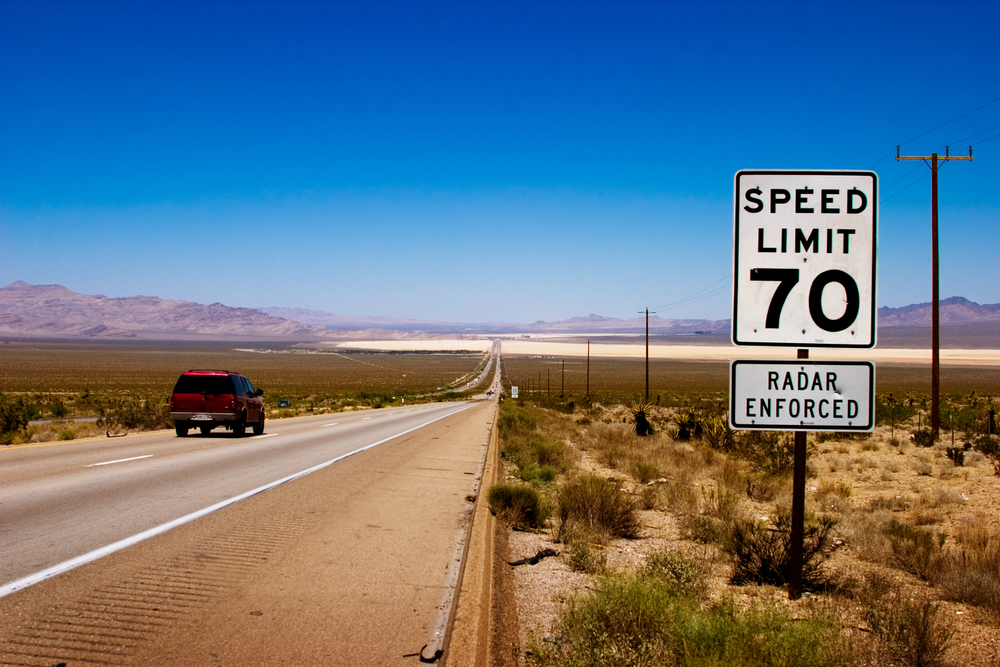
788, 278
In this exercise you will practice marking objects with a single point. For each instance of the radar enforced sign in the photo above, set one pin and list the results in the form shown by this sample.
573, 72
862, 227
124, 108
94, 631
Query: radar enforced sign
802, 395
804, 258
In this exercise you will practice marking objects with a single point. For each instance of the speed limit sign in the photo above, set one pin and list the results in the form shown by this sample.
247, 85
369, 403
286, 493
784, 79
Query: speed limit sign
804, 258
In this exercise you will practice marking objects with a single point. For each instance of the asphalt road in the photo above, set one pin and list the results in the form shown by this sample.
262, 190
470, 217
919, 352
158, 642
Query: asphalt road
61, 500
354, 563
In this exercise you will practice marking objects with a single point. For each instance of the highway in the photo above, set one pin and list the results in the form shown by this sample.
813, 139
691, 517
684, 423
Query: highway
61, 500
371, 538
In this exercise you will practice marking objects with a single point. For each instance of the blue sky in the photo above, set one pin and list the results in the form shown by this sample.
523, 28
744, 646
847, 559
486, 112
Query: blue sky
477, 161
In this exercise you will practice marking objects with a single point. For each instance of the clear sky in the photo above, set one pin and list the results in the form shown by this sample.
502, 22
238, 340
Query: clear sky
478, 161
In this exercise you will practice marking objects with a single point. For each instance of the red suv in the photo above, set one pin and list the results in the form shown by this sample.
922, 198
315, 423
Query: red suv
206, 399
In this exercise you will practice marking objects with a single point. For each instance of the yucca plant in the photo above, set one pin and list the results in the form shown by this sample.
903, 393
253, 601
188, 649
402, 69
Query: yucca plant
640, 412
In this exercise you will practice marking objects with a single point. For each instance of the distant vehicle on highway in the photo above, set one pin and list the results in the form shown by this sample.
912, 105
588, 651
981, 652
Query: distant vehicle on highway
284, 404
207, 399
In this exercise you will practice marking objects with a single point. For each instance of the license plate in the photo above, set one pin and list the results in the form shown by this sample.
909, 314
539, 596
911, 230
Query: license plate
201, 418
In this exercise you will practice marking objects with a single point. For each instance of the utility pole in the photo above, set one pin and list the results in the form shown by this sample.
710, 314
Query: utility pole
588, 369
562, 390
647, 351
935, 317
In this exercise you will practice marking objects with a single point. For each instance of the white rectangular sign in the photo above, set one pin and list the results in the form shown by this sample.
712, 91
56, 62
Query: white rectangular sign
804, 250
801, 395
513, 391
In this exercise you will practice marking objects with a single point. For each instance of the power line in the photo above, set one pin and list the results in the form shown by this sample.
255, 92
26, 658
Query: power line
698, 296
950, 121
939, 127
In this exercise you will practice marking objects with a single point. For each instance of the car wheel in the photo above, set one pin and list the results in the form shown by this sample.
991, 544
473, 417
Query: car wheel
205, 430
240, 426
181, 428
258, 429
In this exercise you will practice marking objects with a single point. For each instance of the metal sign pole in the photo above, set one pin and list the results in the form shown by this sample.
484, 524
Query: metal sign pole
798, 510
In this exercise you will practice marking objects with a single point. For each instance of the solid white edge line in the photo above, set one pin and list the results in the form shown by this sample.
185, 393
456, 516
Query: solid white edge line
107, 463
89, 557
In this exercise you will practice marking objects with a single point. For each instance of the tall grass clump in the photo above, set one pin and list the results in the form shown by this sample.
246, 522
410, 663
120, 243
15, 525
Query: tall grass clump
642, 620
916, 550
592, 508
910, 630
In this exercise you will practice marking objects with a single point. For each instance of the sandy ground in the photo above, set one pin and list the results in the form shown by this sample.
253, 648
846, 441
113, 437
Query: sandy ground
682, 352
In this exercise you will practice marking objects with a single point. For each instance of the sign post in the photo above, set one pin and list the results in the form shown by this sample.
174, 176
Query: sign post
804, 251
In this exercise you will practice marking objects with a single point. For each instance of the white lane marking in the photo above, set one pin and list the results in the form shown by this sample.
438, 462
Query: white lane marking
107, 463
91, 556
325, 425
264, 435
365, 418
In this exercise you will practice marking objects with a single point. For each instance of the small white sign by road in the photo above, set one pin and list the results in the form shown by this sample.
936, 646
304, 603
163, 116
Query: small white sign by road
513, 392
804, 247
801, 395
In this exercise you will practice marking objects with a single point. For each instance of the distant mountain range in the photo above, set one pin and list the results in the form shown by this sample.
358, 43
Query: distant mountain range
55, 311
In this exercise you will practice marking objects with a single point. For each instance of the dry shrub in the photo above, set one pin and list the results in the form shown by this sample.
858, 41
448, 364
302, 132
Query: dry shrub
680, 496
583, 558
770, 452
762, 488
761, 555
644, 471
721, 503
678, 572
593, 506
910, 630
916, 550
517, 505
863, 531
972, 575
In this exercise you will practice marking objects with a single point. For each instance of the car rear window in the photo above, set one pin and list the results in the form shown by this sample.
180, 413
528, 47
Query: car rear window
204, 384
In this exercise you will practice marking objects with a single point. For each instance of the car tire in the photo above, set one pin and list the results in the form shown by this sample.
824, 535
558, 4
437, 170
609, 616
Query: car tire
181, 428
258, 429
240, 426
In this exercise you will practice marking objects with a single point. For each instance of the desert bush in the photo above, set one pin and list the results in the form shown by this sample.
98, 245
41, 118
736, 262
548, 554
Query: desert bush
973, 577
131, 414
591, 505
518, 505
704, 529
909, 629
644, 471
721, 503
770, 452
650, 498
679, 496
633, 621
972, 574
924, 437
13, 417
761, 488
679, 573
989, 446
761, 555
582, 558
916, 550
67, 434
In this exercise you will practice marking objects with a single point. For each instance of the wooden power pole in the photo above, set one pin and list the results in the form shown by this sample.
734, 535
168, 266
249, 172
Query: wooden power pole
934, 158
